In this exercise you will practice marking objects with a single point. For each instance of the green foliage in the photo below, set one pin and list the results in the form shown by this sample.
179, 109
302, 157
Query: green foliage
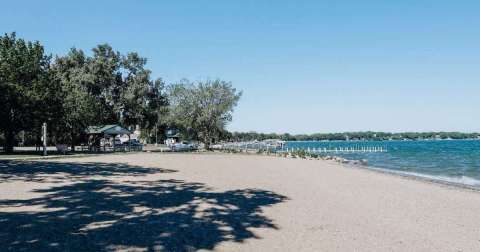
202, 109
154, 120
78, 106
106, 87
75, 91
300, 153
23, 86
103, 89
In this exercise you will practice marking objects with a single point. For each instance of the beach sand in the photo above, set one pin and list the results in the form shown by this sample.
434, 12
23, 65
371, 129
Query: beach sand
227, 202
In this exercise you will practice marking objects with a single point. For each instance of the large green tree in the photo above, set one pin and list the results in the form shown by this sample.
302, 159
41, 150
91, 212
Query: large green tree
133, 99
105, 88
105, 70
204, 108
78, 106
24, 91
155, 119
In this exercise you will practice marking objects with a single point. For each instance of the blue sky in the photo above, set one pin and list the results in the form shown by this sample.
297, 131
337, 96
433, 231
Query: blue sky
303, 66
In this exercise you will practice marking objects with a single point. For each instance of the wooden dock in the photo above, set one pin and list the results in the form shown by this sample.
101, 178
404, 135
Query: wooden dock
355, 149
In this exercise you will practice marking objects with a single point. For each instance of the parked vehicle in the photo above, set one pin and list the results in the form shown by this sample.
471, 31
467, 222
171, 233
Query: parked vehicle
133, 142
183, 146
117, 142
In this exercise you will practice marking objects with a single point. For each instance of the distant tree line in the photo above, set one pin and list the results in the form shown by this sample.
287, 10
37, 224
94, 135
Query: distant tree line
76, 90
367, 135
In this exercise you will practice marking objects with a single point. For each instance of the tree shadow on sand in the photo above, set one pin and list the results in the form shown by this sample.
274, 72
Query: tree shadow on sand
41, 171
103, 215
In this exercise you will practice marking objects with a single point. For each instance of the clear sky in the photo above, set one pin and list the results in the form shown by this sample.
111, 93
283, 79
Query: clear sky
303, 66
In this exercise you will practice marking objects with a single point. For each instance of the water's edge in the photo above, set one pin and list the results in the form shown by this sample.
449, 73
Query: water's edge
454, 162
415, 176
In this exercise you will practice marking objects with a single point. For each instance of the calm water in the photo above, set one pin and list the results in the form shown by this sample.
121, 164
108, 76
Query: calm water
455, 161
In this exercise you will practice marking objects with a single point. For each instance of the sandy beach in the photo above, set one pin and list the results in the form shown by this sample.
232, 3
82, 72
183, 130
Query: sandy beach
227, 202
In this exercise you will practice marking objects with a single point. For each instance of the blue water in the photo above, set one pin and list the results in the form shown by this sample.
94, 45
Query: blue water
455, 161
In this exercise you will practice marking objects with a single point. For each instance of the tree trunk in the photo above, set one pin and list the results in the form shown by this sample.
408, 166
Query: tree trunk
9, 141
206, 141
72, 142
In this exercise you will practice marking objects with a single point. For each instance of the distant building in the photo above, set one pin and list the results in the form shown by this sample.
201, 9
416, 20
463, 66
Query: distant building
105, 135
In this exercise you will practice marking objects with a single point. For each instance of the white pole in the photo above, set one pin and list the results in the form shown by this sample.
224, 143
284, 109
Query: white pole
156, 134
44, 138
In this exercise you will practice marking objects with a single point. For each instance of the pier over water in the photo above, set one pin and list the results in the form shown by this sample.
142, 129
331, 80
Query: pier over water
280, 146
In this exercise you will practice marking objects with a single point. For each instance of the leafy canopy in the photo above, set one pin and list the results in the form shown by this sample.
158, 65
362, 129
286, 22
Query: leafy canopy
203, 109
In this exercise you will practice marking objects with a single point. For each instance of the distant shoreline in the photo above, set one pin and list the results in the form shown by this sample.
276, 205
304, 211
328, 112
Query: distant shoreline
355, 136
386, 140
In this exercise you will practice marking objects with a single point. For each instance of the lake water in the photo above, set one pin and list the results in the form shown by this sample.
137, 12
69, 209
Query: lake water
456, 161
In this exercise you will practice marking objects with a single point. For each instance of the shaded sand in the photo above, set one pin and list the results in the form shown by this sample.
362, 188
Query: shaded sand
182, 202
